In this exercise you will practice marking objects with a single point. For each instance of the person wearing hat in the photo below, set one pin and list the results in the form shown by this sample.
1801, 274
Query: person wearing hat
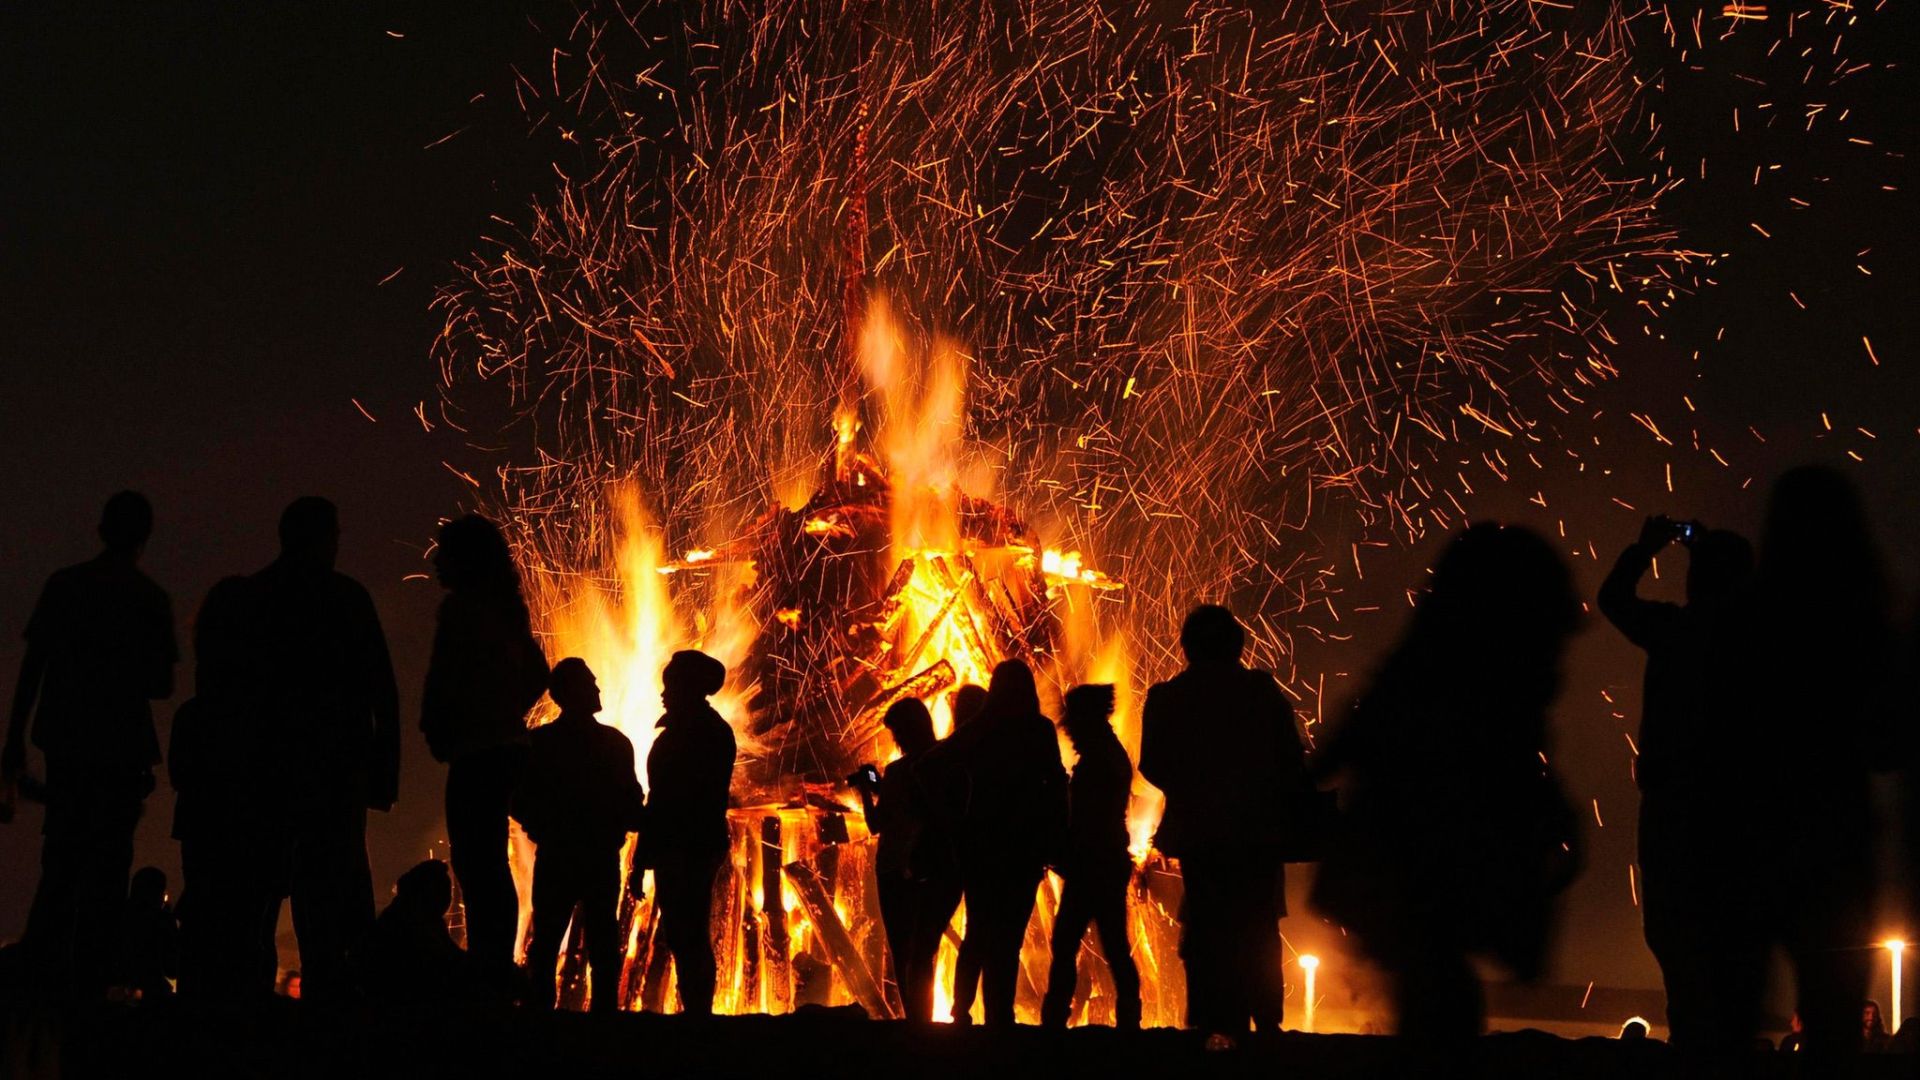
685, 840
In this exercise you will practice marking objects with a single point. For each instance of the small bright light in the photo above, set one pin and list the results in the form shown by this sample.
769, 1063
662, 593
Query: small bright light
1309, 962
1895, 947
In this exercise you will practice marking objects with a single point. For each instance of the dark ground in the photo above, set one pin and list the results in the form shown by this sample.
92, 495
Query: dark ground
290, 1040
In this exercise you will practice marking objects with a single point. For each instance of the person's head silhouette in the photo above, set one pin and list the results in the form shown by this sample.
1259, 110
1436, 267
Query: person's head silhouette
1211, 635
1089, 712
1501, 584
126, 522
573, 687
690, 678
910, 724
310, 532
1011, 692
148, 889
966, 704
1817, 547
472, 555
1719, 566
424, 892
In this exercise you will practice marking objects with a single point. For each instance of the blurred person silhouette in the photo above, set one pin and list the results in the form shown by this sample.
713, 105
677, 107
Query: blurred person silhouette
1219, 741
1003, 800
323, 695
1810, 669
1695, 888
915, 906
487, 671
150, 949
1457, 836
100, 647
1791, 1042
1096, 866
685, 838
224, 813
577, 799
408, 958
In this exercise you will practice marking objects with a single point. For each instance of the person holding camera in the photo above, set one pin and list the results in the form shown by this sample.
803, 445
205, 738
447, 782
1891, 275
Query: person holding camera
1692, 877
917, 900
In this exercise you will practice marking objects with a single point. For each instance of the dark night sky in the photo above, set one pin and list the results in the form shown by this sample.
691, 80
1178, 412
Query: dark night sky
198, 201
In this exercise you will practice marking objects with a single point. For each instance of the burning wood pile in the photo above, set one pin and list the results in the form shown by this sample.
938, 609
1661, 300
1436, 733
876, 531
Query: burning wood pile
852, 623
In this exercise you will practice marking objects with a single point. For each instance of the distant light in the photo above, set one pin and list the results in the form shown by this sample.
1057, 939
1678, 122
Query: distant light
1310, 964
1895, 947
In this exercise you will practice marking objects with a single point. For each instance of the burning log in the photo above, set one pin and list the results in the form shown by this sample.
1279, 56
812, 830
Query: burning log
778, 994
833, 933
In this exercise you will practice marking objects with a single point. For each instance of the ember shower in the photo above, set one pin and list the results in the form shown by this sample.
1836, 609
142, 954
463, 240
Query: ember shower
856, 339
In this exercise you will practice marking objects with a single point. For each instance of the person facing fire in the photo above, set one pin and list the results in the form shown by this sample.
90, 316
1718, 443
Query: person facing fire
916, 900
1815, 641
1693, 885
487, 671
1096, 865
685, 839
100, 647
1456, 835
965, 703
1219, 741
1007, 813
577, 799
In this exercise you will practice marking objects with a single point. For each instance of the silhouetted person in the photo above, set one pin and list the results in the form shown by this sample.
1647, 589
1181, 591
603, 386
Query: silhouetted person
578, 799
1096, 866
1806, 691
409, 959
1696, 890
225, 814
1219, 740
487, 671
324, 697
150, 953
1457, 837
965, 704
1634, 1030
915, 906
1008, 827
100, 647
685, 839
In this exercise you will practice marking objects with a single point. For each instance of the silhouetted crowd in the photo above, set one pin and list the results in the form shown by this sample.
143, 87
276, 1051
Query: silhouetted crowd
1772, 696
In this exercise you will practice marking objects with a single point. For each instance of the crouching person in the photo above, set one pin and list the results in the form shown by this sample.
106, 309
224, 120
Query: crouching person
577, 801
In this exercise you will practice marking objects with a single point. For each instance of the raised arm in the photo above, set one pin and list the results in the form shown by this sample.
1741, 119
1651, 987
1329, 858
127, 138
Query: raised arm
1640, 620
